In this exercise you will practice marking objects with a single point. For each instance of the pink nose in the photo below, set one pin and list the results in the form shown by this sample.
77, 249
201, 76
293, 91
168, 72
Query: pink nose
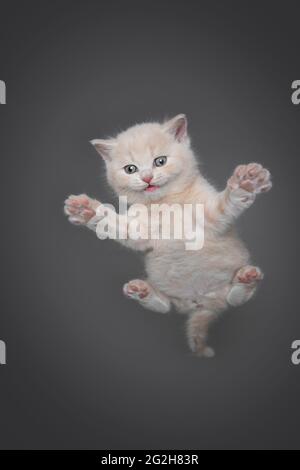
147, 179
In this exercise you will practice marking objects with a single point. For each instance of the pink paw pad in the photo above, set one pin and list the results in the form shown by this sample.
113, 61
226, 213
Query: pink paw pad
249, 274
253, 178
136, 289
79, 209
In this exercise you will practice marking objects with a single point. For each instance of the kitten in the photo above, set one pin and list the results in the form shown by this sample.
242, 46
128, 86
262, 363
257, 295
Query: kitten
154, 163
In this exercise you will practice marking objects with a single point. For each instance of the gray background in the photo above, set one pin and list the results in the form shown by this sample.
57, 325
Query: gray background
86, 367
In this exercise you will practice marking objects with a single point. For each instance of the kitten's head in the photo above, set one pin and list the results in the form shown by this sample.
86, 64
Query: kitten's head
148, 161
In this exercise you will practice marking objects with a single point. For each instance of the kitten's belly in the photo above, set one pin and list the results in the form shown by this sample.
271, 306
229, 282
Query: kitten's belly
191, 274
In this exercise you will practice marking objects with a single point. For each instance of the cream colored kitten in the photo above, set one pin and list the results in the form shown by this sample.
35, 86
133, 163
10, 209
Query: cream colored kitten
154, 163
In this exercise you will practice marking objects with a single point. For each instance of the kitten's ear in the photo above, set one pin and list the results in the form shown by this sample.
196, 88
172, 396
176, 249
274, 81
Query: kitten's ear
177, 126
104, 147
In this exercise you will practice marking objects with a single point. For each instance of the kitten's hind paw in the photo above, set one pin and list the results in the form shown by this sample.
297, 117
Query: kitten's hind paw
244, 285
136, 289
248, 275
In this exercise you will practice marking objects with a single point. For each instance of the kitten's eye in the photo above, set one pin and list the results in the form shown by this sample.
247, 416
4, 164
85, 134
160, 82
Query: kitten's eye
160, 161
130, 169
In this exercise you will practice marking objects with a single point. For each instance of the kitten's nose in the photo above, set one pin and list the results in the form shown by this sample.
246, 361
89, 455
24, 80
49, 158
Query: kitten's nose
147, 178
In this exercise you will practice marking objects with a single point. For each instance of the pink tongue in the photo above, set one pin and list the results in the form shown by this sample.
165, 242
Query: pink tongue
150, 188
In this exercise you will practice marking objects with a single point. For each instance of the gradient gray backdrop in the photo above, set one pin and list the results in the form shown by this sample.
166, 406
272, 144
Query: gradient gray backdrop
86, 367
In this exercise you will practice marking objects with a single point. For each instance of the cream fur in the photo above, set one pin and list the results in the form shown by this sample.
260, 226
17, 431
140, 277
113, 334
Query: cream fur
198, 283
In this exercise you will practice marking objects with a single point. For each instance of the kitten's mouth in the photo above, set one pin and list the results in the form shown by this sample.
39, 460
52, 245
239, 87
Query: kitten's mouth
150, 188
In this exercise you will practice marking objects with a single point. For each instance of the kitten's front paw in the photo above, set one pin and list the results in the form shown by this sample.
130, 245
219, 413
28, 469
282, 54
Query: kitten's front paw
252, 178
136, 289
80, 209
